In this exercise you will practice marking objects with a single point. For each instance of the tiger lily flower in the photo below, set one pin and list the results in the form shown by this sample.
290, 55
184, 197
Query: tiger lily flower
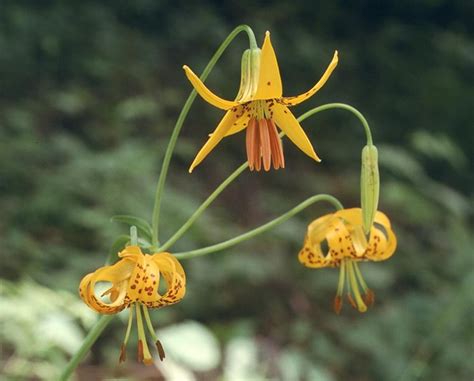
342, 233
135, 281
259, 108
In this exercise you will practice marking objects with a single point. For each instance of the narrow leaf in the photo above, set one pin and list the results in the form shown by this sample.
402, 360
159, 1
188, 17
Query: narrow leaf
143, 226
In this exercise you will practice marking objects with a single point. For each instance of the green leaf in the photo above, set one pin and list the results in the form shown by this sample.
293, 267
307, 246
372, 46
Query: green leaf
143, 226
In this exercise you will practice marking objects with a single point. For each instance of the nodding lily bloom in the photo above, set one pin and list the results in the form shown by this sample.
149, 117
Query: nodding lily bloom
134, 283
259, 108
338, 240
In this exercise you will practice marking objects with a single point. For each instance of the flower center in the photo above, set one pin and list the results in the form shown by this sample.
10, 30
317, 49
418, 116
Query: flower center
262, 140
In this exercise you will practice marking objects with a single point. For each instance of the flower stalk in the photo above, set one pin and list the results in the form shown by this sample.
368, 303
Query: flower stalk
261, 229
182, 117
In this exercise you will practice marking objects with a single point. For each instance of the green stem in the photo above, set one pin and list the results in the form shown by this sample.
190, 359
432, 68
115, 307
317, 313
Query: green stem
181, 119
261, 229
203, 207
90, 339
344, 107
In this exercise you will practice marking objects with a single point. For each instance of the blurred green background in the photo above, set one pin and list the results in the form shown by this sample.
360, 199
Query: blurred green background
89, 93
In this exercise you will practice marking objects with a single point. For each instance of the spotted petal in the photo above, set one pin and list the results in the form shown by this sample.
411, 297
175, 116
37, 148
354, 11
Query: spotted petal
117, 275
174, 275
292, 101
233, 118
286, 121
269, 81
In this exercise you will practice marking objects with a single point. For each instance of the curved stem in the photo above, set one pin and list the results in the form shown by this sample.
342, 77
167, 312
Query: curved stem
203, 207
261, 229
90, 339
343, 106
180, 121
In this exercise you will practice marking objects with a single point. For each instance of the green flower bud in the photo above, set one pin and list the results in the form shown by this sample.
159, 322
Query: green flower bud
369, 186
249, 75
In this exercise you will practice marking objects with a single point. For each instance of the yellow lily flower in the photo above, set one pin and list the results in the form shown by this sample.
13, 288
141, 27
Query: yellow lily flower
135, 281
259, 108
338, 240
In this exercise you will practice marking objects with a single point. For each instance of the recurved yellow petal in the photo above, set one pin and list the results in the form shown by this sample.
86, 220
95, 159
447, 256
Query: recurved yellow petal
269, 81
311, 255
207, 94
339, 244
286, 121
352, 215
382, 219
292, 101
174, 276
318, 229
232, 116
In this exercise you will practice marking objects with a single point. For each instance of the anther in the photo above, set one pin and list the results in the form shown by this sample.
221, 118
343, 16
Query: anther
140, 351
337, 305
161, 351
369, 297
123, 354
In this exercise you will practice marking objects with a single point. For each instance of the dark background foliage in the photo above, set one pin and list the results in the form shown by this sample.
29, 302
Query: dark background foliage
89, 93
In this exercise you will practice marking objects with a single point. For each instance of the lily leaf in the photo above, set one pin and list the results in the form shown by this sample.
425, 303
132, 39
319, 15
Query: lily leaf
143, 226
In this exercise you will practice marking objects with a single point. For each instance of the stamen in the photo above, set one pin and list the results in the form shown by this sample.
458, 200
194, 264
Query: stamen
123, 355
140, 351
161, 351
276, 146
143, 351
369, 295
252, 144
159, 347
349, 288
337, 304
340, 288
355, 288
257, 150
265, 144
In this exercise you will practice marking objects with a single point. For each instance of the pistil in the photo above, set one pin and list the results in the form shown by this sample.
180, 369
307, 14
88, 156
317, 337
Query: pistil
143, 351
359, 303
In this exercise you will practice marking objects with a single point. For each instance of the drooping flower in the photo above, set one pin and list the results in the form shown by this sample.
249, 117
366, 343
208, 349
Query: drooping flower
338, 240
134, 283
259, 108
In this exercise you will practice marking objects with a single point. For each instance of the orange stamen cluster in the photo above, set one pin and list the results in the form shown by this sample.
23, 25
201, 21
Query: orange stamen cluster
264, 145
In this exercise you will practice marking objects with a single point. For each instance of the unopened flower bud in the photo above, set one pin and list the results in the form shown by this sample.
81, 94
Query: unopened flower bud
369, 186
249, 74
